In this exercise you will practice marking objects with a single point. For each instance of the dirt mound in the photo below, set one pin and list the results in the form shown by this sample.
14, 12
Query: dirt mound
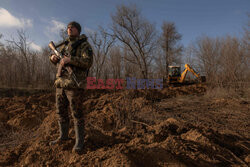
169, 127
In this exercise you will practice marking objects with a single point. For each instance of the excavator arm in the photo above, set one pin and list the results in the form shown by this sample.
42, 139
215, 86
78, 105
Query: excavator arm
184, 73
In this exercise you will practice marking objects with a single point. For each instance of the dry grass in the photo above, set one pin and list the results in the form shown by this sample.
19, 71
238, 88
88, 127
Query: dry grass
237, 93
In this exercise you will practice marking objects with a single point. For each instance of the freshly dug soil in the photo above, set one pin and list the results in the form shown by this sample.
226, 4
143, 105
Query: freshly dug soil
175, 126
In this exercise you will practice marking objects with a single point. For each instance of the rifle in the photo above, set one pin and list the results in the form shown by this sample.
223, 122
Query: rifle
59, 70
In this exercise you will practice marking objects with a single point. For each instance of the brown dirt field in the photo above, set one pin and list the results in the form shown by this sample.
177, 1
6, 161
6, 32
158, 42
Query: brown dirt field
176, 126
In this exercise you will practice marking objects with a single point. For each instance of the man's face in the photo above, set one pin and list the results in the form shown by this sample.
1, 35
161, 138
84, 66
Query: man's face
72, 31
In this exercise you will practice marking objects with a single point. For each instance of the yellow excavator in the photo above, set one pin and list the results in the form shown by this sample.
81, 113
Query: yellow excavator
176, 77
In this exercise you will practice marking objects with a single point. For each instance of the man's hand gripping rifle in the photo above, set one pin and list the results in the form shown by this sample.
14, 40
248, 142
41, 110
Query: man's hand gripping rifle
61, 65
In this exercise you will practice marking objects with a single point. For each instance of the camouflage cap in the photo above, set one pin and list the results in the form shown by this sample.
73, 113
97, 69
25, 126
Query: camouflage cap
76, 25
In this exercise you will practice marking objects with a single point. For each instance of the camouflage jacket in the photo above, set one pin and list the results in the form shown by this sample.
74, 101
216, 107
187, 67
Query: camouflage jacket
81, 60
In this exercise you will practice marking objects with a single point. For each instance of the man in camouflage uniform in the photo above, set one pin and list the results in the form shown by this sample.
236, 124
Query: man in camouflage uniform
78, 56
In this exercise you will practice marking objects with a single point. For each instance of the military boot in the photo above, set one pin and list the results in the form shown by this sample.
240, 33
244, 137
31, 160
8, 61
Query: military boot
64, 131
79, 131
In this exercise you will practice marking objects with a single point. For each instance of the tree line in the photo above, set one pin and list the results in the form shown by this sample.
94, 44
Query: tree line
132, 47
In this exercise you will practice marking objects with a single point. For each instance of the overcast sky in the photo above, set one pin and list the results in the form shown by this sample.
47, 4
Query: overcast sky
42, 19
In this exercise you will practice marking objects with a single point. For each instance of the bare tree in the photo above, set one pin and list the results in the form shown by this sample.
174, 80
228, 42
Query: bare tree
233, 61
46, 71
102, 43
12, 66
246, 37
170, 43
189, 56
158, 64
224, 60
246, 46
115, 62
138, 35
207, 52
22, 46
21, 66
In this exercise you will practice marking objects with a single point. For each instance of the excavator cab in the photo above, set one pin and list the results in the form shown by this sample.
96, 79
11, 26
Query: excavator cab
174, 74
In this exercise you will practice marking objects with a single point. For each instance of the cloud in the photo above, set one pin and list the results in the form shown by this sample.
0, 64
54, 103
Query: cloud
35, 47
7, 20
54, 27
57, 26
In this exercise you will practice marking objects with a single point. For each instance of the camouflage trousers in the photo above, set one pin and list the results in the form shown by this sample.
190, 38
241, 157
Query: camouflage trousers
69, 98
